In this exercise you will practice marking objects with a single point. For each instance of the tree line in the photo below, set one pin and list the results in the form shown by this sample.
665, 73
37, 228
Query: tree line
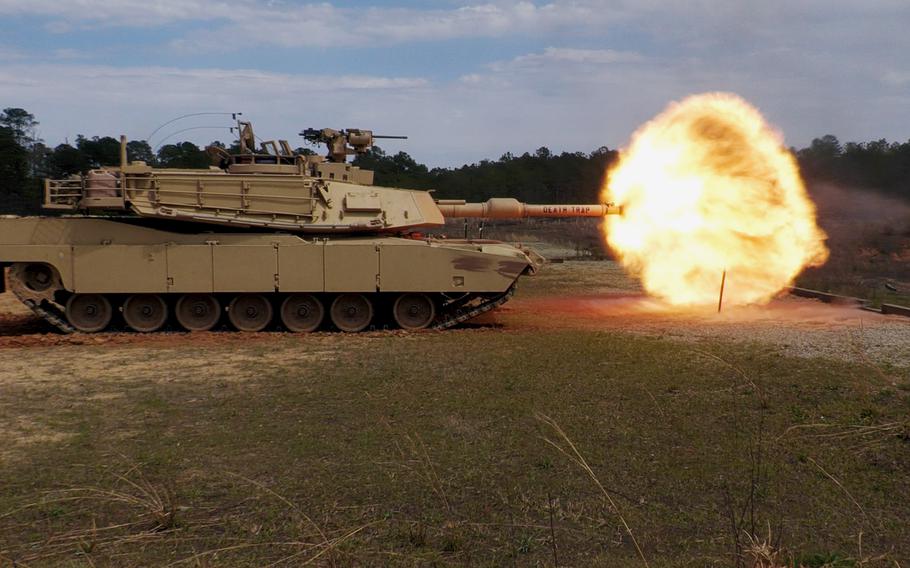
542, 176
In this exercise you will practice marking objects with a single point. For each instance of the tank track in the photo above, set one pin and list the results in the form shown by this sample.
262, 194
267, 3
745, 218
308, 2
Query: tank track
41, 303
50, 314
44, 306
459, 316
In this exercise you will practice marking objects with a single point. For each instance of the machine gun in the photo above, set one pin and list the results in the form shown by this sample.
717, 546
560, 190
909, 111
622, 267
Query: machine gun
344, 143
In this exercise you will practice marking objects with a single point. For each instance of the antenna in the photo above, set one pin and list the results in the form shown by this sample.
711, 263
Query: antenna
172, 134
234, 116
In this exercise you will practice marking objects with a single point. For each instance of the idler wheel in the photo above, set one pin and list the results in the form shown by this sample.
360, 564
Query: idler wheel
302, 312
351, 312
88, 312
198, 312
38, 277
145, 312
250, 312
414, 311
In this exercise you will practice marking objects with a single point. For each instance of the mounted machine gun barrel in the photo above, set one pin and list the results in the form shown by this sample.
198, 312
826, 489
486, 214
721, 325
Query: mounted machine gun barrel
343, 143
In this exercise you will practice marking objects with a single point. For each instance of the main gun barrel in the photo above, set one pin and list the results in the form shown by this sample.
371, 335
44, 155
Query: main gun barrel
509, 208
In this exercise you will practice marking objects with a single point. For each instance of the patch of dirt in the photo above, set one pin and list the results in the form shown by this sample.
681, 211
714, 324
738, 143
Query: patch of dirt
49, 369
20, 432
151, 358
16, 319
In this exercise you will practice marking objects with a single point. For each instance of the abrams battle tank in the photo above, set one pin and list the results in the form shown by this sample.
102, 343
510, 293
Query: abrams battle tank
266, 234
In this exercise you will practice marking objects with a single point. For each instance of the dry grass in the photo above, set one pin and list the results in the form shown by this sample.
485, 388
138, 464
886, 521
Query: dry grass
571, 452
150, 509
424, 449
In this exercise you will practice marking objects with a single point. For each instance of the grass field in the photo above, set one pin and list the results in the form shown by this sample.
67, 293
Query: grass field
539, 437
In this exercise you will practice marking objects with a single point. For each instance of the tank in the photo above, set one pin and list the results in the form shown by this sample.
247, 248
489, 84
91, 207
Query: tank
265, 236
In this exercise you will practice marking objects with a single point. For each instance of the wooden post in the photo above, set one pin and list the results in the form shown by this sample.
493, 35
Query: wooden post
720, 299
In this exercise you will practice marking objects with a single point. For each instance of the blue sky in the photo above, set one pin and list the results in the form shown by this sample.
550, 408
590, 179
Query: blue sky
465, 80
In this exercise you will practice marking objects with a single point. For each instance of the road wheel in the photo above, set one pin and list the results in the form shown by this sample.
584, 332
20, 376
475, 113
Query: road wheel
198, 312
414, 311
302, 312
351, 312
250, 312
88, 312
145, 312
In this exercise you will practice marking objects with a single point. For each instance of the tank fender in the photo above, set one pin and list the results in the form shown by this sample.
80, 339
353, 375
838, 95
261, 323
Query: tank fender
60, 257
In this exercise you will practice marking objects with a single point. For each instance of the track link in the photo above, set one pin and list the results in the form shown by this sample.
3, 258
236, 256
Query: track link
39, 302
50, 314
452, 320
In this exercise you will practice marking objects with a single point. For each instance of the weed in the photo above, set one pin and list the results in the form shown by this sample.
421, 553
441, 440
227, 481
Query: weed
571, 452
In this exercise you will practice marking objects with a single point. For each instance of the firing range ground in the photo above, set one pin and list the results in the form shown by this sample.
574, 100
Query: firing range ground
579, 295
795, 326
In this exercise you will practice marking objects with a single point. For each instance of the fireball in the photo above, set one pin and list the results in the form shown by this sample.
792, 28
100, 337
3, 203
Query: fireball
708, 188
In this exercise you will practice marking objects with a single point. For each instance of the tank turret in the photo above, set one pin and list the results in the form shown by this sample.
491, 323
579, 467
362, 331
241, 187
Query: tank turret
274, 188
267, 235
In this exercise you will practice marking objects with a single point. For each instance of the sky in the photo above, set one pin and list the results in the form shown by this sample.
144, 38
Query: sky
465, 80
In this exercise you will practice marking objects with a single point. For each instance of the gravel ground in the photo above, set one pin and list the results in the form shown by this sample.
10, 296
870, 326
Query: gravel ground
795, 326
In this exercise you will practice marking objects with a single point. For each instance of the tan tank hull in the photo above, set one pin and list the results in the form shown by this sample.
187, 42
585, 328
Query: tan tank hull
115, 261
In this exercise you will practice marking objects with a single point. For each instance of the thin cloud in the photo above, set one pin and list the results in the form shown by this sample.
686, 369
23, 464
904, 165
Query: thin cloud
327, 26
131, 13
105, 100
896, 78
290, 25
11, 54
570, 55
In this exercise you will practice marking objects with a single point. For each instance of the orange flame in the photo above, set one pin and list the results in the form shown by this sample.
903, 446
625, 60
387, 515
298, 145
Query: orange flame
707, 186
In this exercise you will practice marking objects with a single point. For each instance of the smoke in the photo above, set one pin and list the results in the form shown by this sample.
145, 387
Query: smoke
837, 204
856, 217
869, 240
